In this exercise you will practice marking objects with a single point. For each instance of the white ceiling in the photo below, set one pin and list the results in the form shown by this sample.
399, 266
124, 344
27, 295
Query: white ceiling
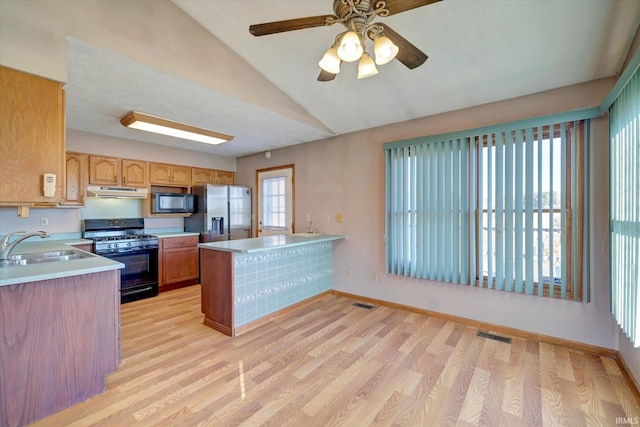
479, 52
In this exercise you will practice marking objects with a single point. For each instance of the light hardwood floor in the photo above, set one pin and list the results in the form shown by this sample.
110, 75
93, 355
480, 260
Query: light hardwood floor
333, 364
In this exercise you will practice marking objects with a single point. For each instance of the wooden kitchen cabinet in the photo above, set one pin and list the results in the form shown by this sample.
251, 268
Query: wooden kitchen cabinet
178, 262
201, 176
134, 173
32, 132
88, 247
165, 174
76, 179
117, 171
224, 177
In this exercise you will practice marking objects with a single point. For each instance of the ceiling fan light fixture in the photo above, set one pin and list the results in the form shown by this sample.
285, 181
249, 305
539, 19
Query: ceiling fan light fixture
350, 48
330, 62
366, 67
384, 50
148, 123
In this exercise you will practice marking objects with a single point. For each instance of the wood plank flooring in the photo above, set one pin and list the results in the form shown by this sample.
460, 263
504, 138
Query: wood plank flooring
333, 364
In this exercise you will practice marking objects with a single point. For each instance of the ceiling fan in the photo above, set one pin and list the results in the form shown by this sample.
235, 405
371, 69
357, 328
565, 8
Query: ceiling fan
357, 16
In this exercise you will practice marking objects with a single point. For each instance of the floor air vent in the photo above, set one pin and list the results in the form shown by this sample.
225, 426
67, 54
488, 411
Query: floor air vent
363, 305
493, 337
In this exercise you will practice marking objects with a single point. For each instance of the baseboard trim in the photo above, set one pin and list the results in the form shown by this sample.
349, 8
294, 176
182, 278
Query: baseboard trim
631, 380
504, 330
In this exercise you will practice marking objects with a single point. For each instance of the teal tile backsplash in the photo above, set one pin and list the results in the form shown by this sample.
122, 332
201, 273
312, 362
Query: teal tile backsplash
267, 282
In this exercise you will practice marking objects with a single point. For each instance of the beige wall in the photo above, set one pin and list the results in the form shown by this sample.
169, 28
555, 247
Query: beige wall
345, 175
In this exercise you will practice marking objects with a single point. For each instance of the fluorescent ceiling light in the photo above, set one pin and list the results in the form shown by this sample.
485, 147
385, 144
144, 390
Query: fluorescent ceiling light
162, 126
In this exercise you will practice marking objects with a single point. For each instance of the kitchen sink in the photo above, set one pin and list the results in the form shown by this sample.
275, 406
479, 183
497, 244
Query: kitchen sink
307, 234
40, 257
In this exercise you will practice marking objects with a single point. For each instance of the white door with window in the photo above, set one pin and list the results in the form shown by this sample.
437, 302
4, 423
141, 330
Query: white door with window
275, 201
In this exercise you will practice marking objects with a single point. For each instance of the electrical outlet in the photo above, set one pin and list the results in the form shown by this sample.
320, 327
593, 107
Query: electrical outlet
349, 273
374, 278
339, 218
307, 217
327, 218
44, 222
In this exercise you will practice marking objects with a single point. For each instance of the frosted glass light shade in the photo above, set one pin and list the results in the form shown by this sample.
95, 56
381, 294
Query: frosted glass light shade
366, 67
384, 50
330, 62
350, 48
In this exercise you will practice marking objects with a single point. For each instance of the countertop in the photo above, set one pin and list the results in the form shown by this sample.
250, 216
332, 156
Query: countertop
261, 244
177, 234
53, 270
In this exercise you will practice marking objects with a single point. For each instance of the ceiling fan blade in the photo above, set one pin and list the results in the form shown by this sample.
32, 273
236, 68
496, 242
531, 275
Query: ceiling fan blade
325, 76
291, 24
408, 54
397, 6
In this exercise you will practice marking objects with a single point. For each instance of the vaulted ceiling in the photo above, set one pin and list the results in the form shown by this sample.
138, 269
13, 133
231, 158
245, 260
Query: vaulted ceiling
479, 52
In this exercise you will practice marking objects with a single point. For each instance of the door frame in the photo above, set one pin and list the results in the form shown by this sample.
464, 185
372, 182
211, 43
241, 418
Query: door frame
293, 193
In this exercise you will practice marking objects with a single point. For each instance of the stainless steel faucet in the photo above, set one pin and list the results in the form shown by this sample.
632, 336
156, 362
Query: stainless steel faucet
6, 247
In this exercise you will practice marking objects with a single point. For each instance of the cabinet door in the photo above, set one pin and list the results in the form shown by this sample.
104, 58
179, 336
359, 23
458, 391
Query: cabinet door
76, 179
201, 176
179, 265
32, 137
159, 173
178, 259
181, 175
224, 177
104, 170
134, 173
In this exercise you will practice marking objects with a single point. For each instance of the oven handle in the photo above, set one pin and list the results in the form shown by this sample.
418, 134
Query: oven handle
137, 291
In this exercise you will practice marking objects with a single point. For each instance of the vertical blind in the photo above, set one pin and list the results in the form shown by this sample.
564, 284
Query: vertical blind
428, 210
491, 207
624, 131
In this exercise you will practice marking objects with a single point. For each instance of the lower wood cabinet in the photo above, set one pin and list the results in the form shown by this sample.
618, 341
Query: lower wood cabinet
178, 262
59, 338
84, 247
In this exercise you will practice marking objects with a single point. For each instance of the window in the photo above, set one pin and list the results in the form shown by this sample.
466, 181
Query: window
498, 207
624, 157
525, 208
274, 202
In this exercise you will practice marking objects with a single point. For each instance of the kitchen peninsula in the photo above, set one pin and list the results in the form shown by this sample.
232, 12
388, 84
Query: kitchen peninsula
247, 281
59, 331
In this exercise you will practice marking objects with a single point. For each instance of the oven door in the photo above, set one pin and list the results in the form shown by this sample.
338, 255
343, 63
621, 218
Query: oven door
139, 277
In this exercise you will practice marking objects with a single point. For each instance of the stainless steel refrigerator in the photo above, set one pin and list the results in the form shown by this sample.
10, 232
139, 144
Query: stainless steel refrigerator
222, 212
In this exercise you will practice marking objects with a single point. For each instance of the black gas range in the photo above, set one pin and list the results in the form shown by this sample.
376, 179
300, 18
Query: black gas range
124, 240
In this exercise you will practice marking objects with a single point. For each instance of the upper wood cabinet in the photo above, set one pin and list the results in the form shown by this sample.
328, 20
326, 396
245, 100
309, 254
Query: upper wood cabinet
164, 174
76, 179
32, 132
224, 177
201, 176
134, 173
116, 171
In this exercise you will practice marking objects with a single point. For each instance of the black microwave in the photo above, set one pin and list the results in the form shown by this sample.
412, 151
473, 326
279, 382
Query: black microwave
167, 203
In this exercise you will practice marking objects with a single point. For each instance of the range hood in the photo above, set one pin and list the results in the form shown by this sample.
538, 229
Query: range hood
117, 192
